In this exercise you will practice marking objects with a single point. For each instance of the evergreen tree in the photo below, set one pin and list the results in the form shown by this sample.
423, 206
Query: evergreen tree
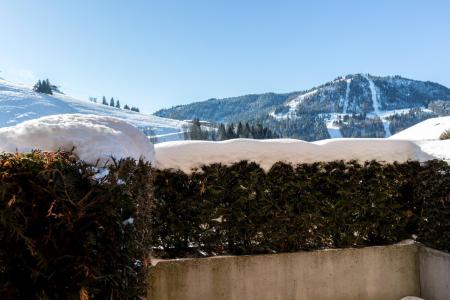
112, 102
221, 133
248, 131
195, 131
117, 103
240, 131
126, 107
104, 102
43, 86
230, 131
258, 132
135, 109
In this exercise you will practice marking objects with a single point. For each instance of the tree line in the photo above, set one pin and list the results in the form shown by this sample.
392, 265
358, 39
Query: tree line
198, 131
115, 103
44, 86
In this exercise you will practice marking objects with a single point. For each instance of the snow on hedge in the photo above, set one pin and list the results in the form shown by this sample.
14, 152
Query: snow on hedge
94, 137
429, 129
187, 155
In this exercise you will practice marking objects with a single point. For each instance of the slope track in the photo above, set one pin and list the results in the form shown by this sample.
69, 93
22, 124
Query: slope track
376, 105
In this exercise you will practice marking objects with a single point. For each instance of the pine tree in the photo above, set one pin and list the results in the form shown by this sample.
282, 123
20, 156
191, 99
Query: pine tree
126, 107
43, 86
135, 109
248, 131
117, 103
230, 132
104, 102
221, 133
195, 131
240, 131
112, 103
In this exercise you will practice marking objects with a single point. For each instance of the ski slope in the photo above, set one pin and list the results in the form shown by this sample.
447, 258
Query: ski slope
20, 103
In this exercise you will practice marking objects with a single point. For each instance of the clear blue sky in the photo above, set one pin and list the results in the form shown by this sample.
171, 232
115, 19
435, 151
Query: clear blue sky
157, 54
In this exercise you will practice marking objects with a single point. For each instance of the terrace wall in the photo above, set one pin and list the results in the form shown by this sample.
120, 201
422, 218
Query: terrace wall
384, 272
434, 274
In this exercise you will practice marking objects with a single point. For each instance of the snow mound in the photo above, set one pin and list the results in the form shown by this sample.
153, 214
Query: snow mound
437, 148
19, 103
94, 137
188, 155
429, 129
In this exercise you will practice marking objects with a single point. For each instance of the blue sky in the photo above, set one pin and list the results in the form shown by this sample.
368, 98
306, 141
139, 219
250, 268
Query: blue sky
156, 54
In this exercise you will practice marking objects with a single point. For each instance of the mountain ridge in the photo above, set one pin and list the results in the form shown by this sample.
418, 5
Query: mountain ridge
371, 106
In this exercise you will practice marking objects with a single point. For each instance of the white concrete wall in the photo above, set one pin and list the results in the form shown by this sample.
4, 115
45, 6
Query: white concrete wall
434, 274
384, 273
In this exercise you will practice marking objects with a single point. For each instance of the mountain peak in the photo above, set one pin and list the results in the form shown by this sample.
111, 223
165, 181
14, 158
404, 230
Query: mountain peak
352, 105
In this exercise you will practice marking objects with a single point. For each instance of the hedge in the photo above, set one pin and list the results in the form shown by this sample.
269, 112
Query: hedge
68, 233
240, 209
69, 230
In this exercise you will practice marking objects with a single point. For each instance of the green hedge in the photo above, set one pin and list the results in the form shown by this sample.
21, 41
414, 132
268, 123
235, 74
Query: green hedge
64, 233
240, 209
65, 230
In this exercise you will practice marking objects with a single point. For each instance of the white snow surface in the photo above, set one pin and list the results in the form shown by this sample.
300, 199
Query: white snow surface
429, 129
374, 92
95, 138
426, 135
347, 92
20, 103
437, 148
293, 105
188, 155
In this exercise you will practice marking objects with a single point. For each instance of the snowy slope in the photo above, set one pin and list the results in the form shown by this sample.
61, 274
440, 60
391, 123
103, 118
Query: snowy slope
429, 129
20, 103
426, 136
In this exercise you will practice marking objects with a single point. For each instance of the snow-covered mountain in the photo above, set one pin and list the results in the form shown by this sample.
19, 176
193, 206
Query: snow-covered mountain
20, 103
359, 105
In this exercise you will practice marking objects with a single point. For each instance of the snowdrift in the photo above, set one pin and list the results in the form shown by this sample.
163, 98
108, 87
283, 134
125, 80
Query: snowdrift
187, 155
94, 137
429, 129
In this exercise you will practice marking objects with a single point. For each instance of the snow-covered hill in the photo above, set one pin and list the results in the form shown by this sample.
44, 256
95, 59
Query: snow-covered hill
430, 129
426, 135
20, 103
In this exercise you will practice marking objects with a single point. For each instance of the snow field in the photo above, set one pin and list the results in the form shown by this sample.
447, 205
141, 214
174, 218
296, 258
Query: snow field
19, 103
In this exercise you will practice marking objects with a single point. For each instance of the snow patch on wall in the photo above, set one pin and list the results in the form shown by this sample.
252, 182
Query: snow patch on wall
187, 155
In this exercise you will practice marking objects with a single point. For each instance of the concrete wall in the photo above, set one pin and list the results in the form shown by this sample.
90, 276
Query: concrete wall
390, 272
434, 274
